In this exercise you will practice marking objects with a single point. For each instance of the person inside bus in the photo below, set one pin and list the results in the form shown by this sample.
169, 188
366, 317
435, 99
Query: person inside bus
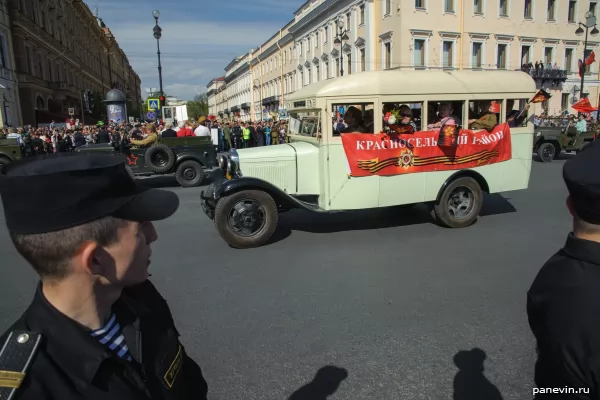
406, 123
515, 118
445, 117
489, 119
354, 120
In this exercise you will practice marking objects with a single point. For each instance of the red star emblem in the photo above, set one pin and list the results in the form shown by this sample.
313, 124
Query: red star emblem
132, 160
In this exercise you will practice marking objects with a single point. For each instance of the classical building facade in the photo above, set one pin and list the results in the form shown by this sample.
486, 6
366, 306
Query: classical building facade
426, 34
10, 114
213, 88
61, 50
238, 80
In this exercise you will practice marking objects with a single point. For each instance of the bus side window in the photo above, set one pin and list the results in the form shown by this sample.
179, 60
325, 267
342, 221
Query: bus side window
402, 117
444, 112
484, 114
517, 112
352, 118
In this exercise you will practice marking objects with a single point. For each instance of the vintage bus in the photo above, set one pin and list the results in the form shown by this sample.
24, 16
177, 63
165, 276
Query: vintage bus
379, 139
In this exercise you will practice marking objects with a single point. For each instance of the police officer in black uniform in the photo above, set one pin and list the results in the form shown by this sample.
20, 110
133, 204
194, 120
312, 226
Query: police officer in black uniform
563, 303
97, 328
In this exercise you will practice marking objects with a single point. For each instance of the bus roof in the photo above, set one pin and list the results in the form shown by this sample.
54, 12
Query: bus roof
411, 82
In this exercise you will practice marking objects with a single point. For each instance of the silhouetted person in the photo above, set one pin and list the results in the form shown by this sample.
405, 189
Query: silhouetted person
470, 383
325, 383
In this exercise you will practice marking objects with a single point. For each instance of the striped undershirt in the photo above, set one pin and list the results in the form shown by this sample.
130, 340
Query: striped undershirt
112, 337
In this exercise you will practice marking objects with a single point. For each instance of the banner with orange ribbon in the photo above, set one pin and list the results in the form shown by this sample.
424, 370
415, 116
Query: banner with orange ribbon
405, 153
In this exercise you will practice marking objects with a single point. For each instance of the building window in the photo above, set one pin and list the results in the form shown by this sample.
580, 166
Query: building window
593, 6
326, 66
363, 61
564, 101
361, 15
301, 78
449, 6
325, 34
316, 39
551, 10
525, 52
348, 21
349, 58
28, 60
572, 6
501, 59
317, 73
2, 52
569, 60
548, 56
448, 54
419, 53
477, 58
301, 48
388, 55
419, 3
337, 66
527, 11
504, 8
478, 6
388, 7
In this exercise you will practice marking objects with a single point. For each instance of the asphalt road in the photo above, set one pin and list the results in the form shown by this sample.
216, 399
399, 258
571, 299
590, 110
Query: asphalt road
395, 303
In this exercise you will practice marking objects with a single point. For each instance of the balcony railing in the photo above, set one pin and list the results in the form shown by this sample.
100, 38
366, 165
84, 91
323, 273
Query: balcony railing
556, 76
269, 100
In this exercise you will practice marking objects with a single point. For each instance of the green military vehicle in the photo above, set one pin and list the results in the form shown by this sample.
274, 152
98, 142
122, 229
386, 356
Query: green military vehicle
189, 158
554, 135
9, 151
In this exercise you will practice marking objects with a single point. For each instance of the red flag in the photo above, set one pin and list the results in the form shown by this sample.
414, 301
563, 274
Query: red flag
584, 106
590, 58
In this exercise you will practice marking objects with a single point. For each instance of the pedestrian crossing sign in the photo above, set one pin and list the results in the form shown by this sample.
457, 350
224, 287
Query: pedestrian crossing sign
153, 104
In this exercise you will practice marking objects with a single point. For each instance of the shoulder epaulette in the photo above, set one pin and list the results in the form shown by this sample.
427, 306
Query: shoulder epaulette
15, 357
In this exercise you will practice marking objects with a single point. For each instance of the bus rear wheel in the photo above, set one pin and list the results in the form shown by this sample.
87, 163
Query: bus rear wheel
460, 204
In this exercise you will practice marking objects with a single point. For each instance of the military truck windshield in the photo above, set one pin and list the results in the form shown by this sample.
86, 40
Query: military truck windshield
305, 124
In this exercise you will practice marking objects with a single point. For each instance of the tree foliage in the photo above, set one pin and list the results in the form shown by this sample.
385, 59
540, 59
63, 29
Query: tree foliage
198, 107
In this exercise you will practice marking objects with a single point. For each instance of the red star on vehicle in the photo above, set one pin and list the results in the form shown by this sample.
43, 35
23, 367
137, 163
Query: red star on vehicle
132, 160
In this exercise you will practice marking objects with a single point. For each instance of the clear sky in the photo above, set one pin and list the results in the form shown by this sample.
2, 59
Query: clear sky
199, 37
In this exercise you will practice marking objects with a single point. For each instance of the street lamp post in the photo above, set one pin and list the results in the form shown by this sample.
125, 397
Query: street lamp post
157, 35
340, 38
590, 22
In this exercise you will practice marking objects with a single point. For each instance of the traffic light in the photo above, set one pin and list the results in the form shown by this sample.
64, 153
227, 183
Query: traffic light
162, 100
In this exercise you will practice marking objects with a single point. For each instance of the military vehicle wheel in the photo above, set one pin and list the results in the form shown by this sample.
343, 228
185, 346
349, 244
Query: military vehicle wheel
546, 152
4, 161
246, 219
189, 174
160, 158
460, 204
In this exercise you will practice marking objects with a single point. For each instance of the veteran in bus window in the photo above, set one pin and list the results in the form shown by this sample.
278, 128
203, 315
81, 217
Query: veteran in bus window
445, 117
489, 119
406, 117
354, 120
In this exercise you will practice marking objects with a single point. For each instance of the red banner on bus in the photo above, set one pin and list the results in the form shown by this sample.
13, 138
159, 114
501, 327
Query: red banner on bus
405, 153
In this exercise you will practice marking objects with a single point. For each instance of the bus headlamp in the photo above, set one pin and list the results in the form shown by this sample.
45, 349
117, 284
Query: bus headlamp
223, 163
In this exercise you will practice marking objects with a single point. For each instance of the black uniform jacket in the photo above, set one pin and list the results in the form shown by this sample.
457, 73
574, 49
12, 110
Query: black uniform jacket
563, 306
70, 364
